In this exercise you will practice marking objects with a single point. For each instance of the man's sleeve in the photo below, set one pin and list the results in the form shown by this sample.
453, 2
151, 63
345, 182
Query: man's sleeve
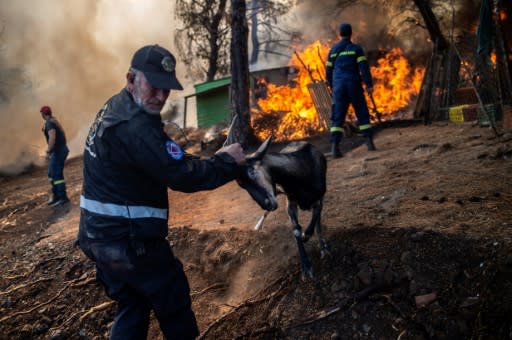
50, 125
364, 67
165, 161
331, 57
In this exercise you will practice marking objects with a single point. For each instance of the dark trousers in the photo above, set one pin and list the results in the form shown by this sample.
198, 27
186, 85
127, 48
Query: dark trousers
344, 94
153, 281
56, 171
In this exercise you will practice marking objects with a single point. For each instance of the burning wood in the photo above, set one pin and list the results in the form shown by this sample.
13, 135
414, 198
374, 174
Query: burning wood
302, 109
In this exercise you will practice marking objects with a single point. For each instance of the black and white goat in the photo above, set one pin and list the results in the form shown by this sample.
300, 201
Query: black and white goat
298, 171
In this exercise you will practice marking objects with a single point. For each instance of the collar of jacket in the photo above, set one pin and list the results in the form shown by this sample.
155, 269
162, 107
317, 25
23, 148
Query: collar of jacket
119, 108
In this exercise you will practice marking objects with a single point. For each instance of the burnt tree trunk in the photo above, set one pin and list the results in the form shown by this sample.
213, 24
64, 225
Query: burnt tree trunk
213, 41
254, 31
432, 24
239, 96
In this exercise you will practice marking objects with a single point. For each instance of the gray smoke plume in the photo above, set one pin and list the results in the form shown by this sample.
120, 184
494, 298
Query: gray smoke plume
71, 55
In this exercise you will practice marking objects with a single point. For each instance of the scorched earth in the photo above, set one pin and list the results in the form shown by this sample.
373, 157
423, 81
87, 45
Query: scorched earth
419, 234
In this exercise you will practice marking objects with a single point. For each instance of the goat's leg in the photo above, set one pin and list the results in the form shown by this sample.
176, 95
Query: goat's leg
293, 212
315, 219
324, 250
305, 263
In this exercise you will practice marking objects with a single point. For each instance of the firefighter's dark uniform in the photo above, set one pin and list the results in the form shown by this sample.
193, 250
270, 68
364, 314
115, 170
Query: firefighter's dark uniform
57, 157
129, 162
346, 67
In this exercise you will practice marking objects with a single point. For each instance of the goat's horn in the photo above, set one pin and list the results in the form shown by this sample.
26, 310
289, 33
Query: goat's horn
230, 138
262, 149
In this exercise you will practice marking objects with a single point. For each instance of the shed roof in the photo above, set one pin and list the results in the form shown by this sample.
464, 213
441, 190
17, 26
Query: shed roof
212, 85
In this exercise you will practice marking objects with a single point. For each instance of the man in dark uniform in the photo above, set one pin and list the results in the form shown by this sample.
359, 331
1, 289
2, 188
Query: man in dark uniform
346, 64
57, 153
129, 162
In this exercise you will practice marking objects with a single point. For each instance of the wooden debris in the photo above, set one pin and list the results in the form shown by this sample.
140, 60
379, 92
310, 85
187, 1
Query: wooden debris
24, 285
214, 286
97, 308
36, 307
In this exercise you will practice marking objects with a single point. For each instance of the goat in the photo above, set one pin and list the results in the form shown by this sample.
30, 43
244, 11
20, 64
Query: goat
299, 170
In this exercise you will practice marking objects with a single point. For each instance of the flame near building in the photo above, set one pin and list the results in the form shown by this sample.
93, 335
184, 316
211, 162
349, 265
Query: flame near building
288, 111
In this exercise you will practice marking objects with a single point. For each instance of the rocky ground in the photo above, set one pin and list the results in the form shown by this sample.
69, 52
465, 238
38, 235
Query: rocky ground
419, 232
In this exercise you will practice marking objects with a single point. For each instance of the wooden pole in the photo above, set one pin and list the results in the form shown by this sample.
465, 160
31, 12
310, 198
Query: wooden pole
480, 102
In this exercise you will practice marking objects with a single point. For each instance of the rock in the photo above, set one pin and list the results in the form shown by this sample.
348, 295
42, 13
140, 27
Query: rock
6, 302
366, 328
470, 301
40, 327
405, 257
424, 300
335, 336
57, 334
364, 277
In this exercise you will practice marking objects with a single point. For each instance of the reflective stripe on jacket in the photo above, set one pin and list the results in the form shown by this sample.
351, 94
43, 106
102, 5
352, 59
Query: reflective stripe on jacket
347, 62
126, 211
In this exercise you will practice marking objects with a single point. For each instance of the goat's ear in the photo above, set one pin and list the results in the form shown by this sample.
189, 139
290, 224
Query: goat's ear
258, 154
230, 138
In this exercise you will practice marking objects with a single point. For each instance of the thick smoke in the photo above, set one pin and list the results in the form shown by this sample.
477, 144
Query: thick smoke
71, 55
375, 27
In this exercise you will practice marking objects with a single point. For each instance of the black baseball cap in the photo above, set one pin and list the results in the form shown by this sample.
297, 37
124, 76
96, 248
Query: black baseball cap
158, 65
345, 30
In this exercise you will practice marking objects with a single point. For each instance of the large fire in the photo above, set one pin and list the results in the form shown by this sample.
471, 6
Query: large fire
291, 111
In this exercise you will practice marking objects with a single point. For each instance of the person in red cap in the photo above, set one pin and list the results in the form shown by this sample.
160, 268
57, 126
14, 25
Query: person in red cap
129, 164
57, 153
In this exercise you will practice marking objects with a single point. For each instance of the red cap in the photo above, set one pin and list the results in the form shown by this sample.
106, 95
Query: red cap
46, 110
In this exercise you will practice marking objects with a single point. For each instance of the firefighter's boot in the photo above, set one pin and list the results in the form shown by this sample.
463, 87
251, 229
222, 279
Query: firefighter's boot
369, 143
52, 199
335, 150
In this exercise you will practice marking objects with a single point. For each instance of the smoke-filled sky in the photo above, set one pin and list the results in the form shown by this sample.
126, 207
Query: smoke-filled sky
71, 55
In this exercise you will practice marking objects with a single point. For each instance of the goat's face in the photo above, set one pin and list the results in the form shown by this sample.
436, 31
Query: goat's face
256, 180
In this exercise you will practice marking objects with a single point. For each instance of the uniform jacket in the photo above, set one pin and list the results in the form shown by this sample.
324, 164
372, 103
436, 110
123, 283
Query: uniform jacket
346, 62
129, 162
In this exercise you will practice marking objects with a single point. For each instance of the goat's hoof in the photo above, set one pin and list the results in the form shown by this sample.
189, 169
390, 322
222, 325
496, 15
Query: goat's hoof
307, 274
324, 253
305, 237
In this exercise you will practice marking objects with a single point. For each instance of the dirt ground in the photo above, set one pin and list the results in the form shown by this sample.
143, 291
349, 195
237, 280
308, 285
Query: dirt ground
419, 233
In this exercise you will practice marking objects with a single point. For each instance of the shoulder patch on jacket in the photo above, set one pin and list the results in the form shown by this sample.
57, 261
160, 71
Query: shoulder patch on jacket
174, 150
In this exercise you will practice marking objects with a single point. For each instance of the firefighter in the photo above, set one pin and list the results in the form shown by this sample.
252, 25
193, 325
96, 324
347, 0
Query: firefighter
129, 163
57, 152
346, 65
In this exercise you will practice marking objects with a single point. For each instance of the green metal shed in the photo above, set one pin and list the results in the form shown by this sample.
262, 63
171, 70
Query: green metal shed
212, 102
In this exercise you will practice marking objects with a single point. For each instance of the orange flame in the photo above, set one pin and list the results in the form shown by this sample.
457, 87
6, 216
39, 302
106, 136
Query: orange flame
396, 83
493, 57
297, 116
503, 15
290, 109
